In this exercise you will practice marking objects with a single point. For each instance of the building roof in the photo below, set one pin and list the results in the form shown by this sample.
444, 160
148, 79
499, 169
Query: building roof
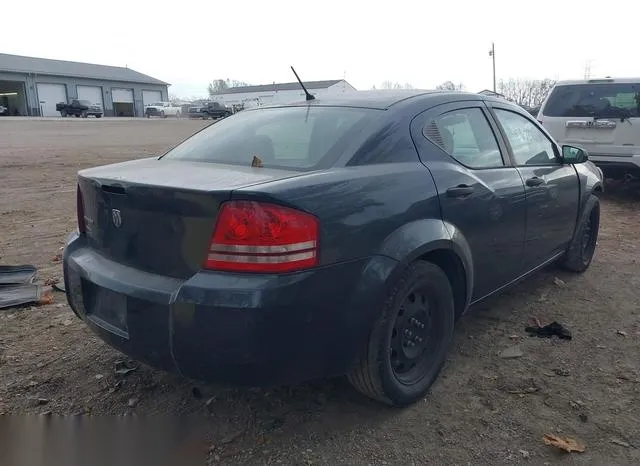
20, 64
280, 87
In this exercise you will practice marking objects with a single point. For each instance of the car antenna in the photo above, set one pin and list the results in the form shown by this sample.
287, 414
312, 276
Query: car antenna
309, 96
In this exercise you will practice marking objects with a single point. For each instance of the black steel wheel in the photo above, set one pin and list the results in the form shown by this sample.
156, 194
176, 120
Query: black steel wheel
583, 246
409, 341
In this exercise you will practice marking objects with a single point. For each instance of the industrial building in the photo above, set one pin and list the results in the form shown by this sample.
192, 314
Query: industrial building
33, 86
269, 94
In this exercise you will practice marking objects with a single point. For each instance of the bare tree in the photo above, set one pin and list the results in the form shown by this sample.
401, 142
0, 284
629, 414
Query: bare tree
450, 86
219, 85
529, 93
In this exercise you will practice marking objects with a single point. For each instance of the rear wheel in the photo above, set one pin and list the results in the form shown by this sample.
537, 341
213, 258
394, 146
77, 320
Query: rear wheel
409, 341
583, 246
63, 113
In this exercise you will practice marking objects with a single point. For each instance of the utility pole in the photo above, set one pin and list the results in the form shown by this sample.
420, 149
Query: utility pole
493, 55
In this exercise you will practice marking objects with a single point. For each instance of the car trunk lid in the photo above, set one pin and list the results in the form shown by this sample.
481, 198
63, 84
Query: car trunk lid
158, 215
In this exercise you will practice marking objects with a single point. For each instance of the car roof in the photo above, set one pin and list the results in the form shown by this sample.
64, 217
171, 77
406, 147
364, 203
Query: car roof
384, 99
574, 82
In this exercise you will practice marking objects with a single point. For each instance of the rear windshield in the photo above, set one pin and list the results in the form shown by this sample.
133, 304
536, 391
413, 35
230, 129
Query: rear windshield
611, 100
301, 138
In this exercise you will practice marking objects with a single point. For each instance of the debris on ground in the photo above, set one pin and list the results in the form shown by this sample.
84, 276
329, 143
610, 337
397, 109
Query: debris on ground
56, 258
231, 437
51, 281
59, 287
562, 372
554, 328
17, 274
525, 453
559, 282
123, 368
511, 352
622, 333
567, 444
132, 402
622, 443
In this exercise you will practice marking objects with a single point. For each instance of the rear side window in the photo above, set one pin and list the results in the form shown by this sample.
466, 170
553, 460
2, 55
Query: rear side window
302, 138
608, 100
466, 136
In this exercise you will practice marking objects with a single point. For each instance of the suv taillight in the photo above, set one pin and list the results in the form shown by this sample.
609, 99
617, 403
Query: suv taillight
80, 210
258, 237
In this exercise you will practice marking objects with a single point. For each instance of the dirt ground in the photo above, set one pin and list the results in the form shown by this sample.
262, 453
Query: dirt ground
483, 409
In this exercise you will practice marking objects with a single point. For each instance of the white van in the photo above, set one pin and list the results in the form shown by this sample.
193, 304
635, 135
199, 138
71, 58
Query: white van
601, 116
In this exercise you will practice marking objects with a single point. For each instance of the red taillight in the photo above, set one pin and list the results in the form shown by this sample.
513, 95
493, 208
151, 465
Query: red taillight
257, 237
80, 211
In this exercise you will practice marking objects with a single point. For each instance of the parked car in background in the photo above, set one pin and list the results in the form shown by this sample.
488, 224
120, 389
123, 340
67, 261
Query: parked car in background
162, 109
79, 108
214, 110
603, 116
328, 237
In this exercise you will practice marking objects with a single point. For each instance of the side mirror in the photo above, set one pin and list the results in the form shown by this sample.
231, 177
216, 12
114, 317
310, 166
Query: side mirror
572, 154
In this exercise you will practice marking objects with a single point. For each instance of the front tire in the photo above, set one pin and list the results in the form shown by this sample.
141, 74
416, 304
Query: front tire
583, 245
410, 339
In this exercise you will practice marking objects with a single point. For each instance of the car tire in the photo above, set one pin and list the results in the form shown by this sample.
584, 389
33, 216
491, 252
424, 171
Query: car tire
63, 114
583, 245
99, 115
410, 339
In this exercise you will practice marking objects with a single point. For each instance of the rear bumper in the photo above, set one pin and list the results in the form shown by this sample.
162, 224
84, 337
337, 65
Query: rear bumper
629, 163
247, 329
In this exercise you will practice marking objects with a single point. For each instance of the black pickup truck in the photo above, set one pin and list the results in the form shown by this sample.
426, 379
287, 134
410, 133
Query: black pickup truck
210, 110
79, 108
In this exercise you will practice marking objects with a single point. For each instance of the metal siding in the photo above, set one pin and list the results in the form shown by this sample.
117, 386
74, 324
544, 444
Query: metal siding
49, 95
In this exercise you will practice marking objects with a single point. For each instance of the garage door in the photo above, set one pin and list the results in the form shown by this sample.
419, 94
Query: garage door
91, 93
151, 97
49, 95
122, 96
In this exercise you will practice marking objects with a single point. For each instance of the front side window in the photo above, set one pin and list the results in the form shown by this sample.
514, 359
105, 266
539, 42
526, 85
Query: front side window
600, 100
466, 136
529, 145
301, 138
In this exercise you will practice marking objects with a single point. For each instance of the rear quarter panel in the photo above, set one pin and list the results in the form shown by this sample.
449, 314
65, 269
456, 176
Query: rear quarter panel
359, 208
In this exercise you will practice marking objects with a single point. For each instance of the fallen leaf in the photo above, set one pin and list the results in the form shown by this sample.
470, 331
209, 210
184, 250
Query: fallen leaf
56, 258
46, 298
51, 281
567, 444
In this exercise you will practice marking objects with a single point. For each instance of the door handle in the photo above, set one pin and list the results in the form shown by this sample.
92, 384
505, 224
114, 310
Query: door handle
462, 190
535, 181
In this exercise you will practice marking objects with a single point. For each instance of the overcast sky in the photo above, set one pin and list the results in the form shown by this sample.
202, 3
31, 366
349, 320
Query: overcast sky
188, 42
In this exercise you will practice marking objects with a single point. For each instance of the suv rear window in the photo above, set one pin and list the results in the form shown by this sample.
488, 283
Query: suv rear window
608, 100
302, 138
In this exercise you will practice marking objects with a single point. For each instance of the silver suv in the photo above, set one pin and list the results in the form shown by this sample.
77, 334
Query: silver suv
600, 115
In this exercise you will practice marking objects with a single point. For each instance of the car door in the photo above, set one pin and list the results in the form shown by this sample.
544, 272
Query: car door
481, 195
552, 188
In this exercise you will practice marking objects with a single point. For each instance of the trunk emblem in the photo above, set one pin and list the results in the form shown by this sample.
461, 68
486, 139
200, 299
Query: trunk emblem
116, 217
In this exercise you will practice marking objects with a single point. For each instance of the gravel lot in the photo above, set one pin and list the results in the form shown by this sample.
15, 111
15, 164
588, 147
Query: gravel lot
483, 409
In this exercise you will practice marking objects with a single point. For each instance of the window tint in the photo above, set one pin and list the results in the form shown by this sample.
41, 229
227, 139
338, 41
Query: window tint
284, 137
465, 134
608, 100
530, 145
